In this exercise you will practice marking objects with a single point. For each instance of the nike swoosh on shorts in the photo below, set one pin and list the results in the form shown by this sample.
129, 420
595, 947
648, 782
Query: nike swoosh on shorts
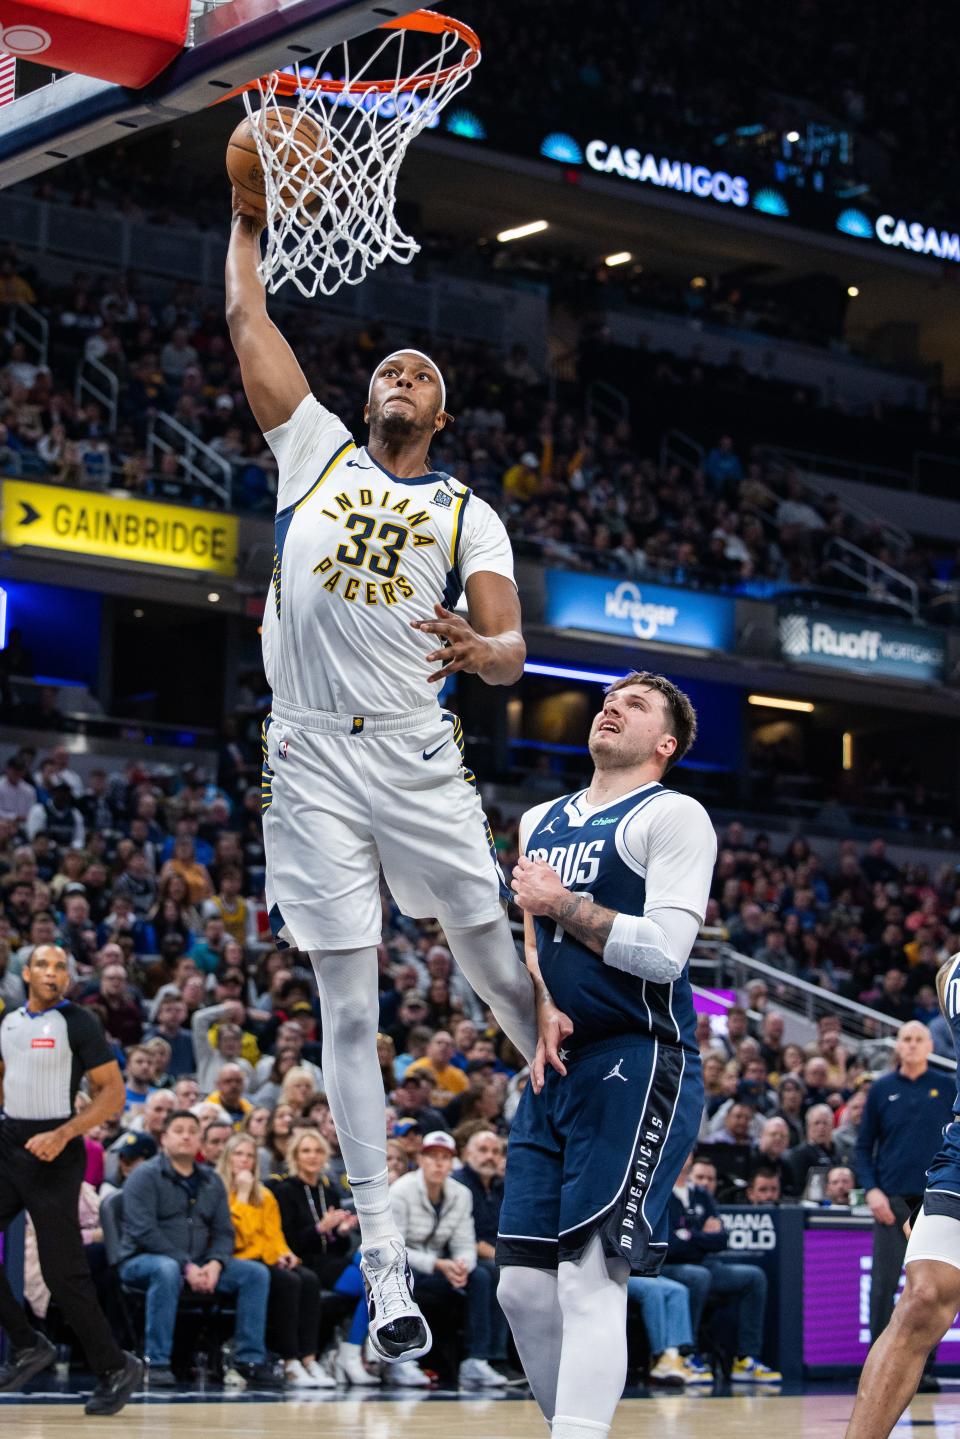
435, 751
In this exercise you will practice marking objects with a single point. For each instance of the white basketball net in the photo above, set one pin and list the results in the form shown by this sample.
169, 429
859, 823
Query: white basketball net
330, 211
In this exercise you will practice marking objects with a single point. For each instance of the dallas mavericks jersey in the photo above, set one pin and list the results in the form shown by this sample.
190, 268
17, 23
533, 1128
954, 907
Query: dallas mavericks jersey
651, 849
358, 555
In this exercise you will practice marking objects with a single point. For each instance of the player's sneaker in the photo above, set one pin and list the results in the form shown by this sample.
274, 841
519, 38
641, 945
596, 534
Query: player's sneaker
478, 1374
397, 1328
695, 1371
408, 1375
753, 1371
668, 1369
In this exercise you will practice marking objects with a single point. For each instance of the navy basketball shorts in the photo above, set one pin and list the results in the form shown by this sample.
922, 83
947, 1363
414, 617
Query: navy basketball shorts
935, 1231
598, 1151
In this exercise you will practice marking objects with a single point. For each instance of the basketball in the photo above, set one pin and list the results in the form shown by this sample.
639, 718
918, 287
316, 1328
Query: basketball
299, 143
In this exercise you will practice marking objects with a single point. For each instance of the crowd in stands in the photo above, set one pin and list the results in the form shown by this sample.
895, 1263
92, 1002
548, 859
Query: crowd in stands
154, 885
574, 490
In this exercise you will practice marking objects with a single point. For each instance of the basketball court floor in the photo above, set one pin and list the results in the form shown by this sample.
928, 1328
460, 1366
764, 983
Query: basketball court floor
819, 1413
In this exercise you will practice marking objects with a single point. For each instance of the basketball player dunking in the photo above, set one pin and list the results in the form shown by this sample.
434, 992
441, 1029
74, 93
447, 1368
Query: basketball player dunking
931, 1296
362, 768
613, 883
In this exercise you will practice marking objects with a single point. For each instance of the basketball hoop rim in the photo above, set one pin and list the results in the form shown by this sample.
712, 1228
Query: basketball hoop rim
429, 22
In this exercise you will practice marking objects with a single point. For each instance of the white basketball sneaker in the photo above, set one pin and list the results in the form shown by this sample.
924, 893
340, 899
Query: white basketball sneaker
397, 1328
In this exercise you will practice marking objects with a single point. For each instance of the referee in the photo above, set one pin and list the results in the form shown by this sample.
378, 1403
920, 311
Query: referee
45, 1050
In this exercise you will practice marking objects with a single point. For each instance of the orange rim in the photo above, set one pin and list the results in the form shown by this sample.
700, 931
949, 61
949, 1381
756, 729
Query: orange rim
427, 22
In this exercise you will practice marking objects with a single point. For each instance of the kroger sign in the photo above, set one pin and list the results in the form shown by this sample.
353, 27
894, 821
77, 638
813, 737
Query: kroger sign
835, 641
644, 612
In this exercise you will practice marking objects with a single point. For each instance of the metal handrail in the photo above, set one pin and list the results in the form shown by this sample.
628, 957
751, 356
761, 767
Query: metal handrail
168, 436
106, 392
681, 449
605, 399
811, 1001
895, 536
832, 465
37, 339
877, 579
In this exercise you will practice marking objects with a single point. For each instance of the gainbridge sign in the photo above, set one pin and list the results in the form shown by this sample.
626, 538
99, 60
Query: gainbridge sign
139, 531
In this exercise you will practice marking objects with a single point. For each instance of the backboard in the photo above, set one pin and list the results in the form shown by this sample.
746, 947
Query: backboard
231, 43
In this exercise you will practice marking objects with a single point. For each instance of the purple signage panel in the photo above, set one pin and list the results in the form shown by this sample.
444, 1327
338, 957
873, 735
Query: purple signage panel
714, 1002
836, 1299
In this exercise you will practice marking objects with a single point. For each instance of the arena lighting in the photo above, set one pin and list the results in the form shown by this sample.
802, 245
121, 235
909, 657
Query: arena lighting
138, 614
793, 136
213, 597
698, 283
520, 232
770, 702
564, 672
853, 291
622, 257
847, 750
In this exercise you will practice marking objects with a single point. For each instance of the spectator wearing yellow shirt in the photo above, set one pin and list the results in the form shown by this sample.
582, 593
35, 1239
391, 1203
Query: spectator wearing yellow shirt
440, 1052
229, 1094
229, 905
293, 1309
522, 480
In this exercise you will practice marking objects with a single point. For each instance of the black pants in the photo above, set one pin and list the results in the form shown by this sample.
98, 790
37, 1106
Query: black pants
293, 1311
50, 1194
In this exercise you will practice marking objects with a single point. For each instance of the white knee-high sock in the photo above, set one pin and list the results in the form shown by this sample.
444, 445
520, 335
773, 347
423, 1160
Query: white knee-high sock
347, 982
593, 1359
528, 1297
563, 1428
488, 957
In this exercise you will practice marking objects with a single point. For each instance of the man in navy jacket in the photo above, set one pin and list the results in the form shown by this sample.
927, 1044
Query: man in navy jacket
177, 1230
898, 1137
696, 1258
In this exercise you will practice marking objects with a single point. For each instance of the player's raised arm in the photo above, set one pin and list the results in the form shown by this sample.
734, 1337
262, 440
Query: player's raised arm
272, 378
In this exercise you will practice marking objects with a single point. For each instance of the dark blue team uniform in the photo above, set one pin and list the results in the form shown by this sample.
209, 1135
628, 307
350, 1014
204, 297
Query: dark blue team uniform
600, 1149
942, 1195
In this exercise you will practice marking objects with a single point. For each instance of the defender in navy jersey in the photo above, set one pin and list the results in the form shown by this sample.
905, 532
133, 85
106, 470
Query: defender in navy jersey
931, 1296
613, 883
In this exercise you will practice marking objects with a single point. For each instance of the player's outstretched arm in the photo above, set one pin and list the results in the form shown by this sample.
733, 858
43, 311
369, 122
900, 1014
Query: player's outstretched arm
272, 379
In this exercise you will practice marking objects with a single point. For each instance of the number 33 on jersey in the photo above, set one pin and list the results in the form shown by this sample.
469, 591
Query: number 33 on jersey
359, 553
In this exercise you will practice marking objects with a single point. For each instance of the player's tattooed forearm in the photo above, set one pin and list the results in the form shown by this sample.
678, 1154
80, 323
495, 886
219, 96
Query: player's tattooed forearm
584, 920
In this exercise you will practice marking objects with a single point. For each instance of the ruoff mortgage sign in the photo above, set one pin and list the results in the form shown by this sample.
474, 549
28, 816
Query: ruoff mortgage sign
865, 645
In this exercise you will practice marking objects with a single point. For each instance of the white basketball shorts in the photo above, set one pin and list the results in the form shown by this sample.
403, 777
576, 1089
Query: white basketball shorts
344, 795
934, 1236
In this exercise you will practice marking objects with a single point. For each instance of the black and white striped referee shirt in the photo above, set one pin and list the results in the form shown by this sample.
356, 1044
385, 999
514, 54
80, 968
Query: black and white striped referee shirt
45, 1056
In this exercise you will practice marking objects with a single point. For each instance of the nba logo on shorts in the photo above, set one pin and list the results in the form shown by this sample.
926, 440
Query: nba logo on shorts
282, 748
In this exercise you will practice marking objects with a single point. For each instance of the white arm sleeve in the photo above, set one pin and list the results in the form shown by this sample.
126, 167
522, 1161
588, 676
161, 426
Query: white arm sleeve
484, 543
652, 946
302, 446
673, 844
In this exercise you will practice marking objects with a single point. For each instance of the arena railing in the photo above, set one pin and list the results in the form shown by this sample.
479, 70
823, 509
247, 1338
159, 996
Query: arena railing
32, 329
717, 963
200, 462
95, 381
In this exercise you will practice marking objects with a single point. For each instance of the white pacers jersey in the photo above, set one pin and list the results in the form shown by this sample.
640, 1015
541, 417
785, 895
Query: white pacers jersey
359, 554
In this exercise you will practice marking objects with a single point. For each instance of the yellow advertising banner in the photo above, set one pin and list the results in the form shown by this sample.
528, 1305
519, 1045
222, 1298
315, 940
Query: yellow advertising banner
140, 531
